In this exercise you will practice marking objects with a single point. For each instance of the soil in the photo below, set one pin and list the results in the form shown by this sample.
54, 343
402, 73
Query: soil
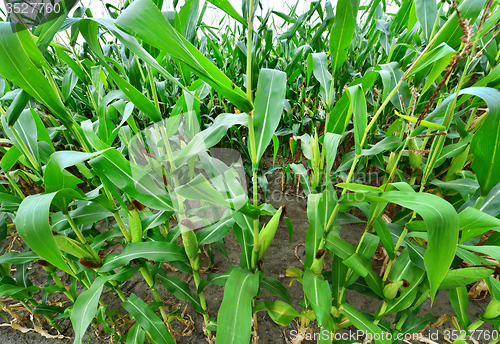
279, 257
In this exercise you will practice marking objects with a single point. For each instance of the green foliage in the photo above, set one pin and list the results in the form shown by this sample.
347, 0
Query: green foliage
129, 121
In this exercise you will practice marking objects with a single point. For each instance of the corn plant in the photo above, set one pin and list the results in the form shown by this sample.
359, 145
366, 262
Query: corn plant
152, 124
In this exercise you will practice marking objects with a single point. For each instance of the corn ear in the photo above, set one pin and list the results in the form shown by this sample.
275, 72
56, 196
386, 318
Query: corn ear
72, 247
315, 154
190, 243
391, 162
415, 159
135, 227
391, 289
492, 310
267, 233
317, 265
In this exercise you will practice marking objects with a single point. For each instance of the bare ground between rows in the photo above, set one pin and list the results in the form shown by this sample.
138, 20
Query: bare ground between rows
281, 256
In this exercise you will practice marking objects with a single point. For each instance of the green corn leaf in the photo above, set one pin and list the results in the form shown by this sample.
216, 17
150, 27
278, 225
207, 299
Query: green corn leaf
215, 232
243, 231
459, 300
489, 250
416, 254
32, 223
474, 222
358, 187
321, 73
4, 197
157, 251
47, 310
85, 307
47, 29
131, 43
358, 102
355, 263
330, 146
426, 13
384, 234
464, 185
72, 64
19, 67
451, 32
403, 268
316, 215
83, 215
235, 313
148, 320
341, 33
463, 277
189, 17
442, 225
375, 283
341, 112
338, 246
136, 335
14, 291
453, 150
200, 189
180, 289
226, 6
486, 141
219, 279
25, 127
72, 247
56, 177
276, 147
368, 248
18, 257
210, 136
145, 21
339, 275
493, 286
10, 158
16, 107
269, 101
111, 164
281, 313
440, 52
275, 287
89, 30
318, 293
426, 124
418, 324
388, 144
408, 295
401, 19
300, 170
436, 71
362, 323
